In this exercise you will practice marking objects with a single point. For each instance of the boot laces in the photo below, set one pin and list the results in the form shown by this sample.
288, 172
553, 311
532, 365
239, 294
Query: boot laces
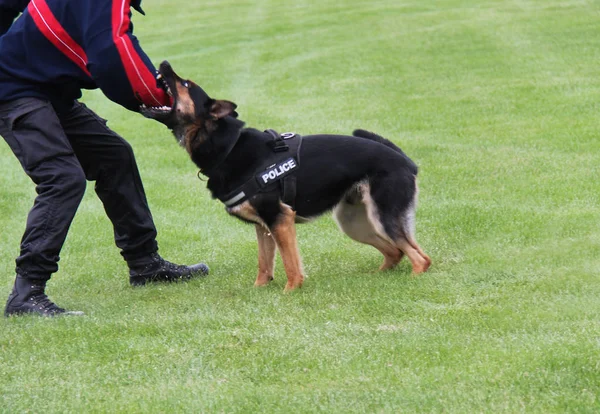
165, 264
42, 301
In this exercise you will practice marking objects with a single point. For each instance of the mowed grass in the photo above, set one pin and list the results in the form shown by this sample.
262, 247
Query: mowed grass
496, 101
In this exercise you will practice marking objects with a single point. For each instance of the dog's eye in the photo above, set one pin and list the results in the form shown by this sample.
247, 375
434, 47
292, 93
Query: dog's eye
186, 84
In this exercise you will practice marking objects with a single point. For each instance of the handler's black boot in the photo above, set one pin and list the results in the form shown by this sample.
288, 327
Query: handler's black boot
157, 269
28, 296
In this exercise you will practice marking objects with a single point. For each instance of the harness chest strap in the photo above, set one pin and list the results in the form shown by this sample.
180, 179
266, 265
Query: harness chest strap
280, 167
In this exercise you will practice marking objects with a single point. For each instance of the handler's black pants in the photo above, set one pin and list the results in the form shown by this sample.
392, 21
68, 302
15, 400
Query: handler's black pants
59, 152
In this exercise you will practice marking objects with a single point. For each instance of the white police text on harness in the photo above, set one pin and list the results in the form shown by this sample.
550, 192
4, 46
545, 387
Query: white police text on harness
278, 170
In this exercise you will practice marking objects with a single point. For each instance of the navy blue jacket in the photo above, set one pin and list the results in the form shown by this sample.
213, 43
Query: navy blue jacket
58, 47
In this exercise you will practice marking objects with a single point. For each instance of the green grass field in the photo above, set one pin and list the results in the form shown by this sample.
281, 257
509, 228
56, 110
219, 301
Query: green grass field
496, 101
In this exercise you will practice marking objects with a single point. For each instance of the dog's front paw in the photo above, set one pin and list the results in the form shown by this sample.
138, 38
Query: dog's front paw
263, 279
293, 284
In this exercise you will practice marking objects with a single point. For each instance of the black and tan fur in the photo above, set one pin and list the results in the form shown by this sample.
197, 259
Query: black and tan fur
368, 182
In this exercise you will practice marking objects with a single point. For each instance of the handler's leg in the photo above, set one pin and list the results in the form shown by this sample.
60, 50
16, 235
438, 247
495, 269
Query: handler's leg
109, 160
33, 132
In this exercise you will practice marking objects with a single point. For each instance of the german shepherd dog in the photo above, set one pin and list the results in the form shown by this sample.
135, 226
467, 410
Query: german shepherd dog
368, 182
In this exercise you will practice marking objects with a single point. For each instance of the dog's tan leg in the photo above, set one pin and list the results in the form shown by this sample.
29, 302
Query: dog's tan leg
422, 253
284, 232
392, 256
266, 255
419, 260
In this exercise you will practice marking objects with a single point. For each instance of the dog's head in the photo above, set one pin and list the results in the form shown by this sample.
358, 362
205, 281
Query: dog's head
193, 112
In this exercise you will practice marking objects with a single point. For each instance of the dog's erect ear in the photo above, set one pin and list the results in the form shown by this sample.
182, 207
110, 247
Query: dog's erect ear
221, 109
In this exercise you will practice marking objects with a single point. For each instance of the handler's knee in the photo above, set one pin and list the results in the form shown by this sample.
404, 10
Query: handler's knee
122, 154
61, 177
73, 182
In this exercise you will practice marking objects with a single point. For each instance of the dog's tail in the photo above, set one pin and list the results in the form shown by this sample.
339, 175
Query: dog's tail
361, 133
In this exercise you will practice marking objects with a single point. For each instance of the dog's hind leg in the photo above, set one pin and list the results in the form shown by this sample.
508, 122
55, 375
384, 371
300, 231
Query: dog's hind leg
353, 219
284, 233
392, 213
266, 255
406, 241
419, 260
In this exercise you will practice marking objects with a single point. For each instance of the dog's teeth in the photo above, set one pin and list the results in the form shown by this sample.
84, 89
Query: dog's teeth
159, 76
157, 108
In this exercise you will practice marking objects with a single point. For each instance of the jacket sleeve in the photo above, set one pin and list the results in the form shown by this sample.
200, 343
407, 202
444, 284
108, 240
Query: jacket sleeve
9, 10
116, 61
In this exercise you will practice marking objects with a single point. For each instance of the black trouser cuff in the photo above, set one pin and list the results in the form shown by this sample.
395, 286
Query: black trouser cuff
38, 277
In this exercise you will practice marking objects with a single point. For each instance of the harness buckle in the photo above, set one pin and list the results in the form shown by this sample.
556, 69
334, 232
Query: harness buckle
278, 145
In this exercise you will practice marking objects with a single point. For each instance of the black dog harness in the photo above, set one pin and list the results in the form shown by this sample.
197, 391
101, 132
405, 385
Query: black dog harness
279, 167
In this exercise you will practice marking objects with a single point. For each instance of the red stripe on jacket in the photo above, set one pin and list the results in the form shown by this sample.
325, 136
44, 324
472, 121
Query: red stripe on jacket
56, 34
142, 80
